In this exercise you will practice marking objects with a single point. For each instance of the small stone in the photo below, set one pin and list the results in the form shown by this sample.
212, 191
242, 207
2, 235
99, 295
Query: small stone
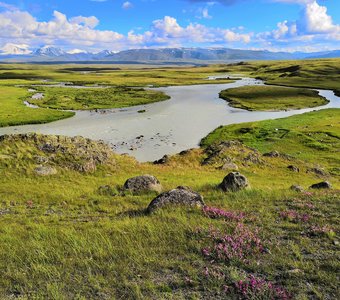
336, 243
321, 185
234, 181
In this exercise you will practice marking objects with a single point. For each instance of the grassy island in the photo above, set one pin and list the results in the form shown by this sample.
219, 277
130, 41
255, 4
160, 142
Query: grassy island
266, 98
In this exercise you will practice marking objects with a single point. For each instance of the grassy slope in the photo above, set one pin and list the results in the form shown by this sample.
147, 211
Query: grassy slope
303, 136
272, 98
322, 73
82, 99
78, 243
14, 112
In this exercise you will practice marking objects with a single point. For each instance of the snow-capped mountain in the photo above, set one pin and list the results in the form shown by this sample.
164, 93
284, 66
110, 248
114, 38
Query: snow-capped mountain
13, 49
49, 51
76, 51
22, 53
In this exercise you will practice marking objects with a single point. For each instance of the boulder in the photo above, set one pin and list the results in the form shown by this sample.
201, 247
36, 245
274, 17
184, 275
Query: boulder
297, 188
234, 181
143, 183
321, 185
179, 196
45, 170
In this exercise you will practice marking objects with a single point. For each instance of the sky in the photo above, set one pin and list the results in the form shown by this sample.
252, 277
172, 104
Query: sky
95, 25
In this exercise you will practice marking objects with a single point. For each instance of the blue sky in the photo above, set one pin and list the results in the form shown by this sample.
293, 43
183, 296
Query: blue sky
94, 25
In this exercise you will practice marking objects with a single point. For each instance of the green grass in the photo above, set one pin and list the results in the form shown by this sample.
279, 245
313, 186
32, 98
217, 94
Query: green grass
95, 98
14, 112
272, 98
303, 136
63, 239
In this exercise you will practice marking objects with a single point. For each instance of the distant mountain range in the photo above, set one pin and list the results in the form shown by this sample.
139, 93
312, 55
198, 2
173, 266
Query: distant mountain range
21, 53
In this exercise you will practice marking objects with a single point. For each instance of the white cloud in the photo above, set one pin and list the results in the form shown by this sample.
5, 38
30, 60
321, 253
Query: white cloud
127, 5
21, 28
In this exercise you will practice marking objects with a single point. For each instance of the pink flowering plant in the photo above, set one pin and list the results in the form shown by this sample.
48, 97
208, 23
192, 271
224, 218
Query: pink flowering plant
294, 216
217, 213
241, 244
258, 288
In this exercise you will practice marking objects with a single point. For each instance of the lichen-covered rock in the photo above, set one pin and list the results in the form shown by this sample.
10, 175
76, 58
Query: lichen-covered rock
321, 185
179, 196
45, 170
143, 183
234, 182
74, 153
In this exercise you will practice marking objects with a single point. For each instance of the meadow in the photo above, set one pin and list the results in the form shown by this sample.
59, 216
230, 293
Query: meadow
77, 234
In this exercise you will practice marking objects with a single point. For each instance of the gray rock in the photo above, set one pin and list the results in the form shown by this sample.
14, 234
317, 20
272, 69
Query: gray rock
143, 183
45, 170
162, 161
297, 188
179, 196
234, 181
293, 168
321, 185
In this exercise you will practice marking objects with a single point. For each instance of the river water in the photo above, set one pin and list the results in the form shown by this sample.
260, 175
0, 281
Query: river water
166, 127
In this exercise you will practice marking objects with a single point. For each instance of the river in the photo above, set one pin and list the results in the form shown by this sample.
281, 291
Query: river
165, 127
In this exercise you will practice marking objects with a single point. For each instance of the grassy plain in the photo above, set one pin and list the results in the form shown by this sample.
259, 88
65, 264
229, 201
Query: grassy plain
63, 238
272, 98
